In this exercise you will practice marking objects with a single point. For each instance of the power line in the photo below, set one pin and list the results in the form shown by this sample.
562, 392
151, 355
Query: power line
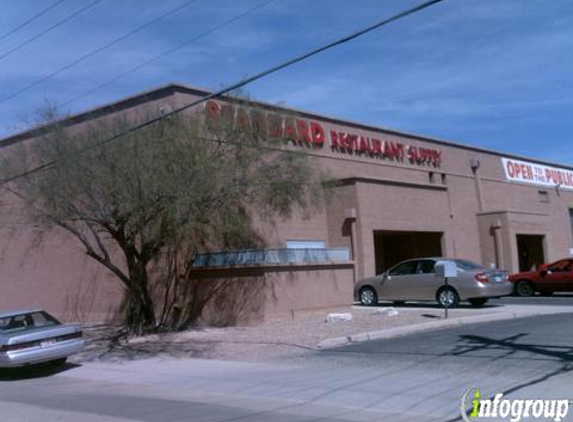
45, 31
157, 57
232, 87
32, 19
96, 51
166, 53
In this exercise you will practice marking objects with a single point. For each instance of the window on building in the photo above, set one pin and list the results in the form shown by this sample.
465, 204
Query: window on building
543, 196
305, 244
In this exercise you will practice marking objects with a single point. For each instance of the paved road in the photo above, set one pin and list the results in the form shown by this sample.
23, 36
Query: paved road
528, 357
415, 378
561, 299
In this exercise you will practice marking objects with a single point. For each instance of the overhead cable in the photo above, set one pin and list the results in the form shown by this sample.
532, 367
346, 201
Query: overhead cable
230, 88
51, 28
32, 19
166, 53
94, 52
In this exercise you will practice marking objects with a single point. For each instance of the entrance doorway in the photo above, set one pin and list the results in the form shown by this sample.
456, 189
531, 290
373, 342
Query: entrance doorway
530, 251
391, 247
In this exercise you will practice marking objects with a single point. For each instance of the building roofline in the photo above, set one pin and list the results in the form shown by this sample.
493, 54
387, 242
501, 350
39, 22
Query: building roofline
171, 88
102, 110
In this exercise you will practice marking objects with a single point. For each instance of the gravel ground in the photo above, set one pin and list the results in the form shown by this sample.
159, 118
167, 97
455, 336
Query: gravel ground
275, 338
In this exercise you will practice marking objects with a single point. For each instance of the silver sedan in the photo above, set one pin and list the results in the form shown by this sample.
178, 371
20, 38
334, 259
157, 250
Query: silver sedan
416, 280
33, 336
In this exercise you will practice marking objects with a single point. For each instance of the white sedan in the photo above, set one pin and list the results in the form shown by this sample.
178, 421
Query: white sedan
29, 337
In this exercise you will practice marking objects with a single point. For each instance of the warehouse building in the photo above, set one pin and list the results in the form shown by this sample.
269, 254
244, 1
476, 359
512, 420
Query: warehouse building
398, 195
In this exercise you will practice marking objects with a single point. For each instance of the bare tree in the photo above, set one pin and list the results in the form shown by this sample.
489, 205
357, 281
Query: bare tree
154, 198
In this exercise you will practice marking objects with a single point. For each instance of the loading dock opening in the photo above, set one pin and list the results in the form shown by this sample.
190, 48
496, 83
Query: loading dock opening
391, 247
530, 251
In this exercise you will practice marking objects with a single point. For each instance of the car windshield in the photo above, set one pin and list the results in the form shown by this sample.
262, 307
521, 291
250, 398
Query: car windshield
466, 265
27, 321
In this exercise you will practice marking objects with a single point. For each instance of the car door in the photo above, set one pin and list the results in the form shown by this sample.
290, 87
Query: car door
556, 276
561, 276
424, 283
568, 278
397, 283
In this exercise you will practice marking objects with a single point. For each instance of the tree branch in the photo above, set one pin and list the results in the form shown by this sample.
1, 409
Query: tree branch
104, 260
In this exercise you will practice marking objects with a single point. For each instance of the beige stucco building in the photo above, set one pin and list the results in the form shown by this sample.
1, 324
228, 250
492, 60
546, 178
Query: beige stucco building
398, 196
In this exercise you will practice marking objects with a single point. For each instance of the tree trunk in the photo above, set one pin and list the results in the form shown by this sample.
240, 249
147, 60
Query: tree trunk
140, 313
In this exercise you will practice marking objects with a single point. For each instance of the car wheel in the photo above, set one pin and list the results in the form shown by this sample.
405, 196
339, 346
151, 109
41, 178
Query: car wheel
447, 296
478, 301
524, 288
368, 296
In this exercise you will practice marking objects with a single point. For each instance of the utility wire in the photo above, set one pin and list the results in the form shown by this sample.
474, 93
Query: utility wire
96, 51
32, 19
157, 57
231, 87
45, 31
166, 53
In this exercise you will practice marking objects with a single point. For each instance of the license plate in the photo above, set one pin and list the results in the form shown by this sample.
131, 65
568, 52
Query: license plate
498, 279
47, 343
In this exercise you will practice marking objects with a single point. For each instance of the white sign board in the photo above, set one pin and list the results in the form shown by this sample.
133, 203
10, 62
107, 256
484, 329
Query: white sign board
446, 269
537, 174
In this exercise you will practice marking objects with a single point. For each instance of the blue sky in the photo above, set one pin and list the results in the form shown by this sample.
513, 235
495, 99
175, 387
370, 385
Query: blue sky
489, 73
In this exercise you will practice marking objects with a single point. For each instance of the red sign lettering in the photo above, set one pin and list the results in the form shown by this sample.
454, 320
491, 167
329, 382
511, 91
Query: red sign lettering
311, 134
317, 133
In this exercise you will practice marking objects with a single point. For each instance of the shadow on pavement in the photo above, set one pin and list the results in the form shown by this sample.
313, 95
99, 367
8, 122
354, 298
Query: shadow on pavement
34, 371
509, 346
518, 344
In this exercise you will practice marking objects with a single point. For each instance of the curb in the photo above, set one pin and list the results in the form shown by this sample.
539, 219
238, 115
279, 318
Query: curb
432, 325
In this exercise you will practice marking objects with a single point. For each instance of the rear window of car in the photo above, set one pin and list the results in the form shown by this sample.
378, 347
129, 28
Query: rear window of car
27, 321
43, 319
466, 265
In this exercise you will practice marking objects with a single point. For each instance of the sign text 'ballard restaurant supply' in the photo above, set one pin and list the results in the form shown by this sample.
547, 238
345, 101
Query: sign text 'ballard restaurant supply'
537, 174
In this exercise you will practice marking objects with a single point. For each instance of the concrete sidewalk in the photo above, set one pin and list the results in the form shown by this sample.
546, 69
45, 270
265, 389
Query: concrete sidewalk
257, 392
311, 393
